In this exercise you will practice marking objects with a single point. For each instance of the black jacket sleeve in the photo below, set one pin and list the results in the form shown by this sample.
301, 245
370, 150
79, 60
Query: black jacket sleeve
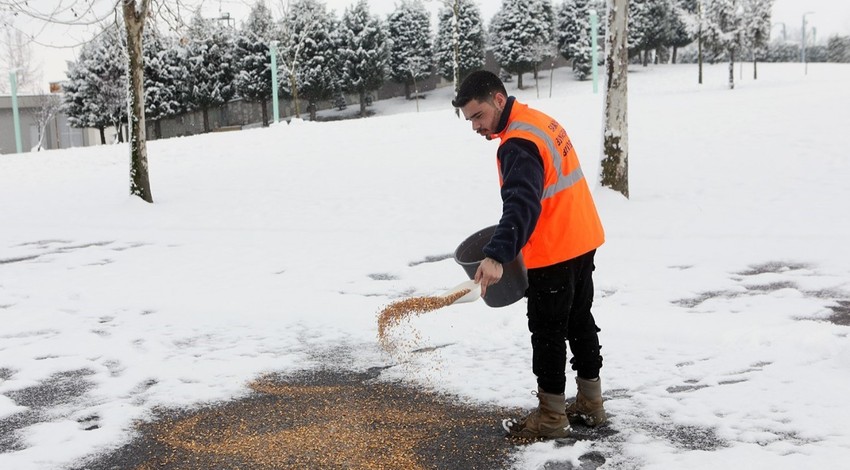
522, 189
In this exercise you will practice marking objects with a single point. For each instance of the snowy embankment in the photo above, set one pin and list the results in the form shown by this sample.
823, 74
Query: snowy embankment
274, 249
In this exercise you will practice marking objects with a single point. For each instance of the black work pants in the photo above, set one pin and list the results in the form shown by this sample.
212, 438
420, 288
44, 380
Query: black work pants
559, 301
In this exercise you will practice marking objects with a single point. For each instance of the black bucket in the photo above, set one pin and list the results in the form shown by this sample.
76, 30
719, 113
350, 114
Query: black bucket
511, 287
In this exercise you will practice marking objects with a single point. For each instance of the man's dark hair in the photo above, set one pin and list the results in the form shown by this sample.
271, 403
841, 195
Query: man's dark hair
480, 85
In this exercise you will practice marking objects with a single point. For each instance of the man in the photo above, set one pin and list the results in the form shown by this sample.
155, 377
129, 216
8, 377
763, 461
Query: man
549, 216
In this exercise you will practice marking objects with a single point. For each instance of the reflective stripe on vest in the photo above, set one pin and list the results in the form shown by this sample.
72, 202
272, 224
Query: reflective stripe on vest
564, 181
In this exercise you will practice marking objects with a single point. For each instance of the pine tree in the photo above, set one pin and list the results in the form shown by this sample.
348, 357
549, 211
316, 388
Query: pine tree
546, 43
210, 66
411, 56
252, 58
466, 54
574, 40
683, 24
649, 26
838, 49
310, 67
519, 35
363, 51
756, 24
163, 77
724, 31
568, 28
95, 94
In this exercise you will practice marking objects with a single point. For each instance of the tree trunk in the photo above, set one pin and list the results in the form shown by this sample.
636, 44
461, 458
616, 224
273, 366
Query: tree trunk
294, 88
265, 104
615, 143
699, 59
206, 119
645, 57
755, 67
731, 69
134, 21
362, 95
102, 135
519, 81
157, 128
675, 51
406, 90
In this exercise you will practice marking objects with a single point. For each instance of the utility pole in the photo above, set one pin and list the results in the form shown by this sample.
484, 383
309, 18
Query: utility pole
803, 43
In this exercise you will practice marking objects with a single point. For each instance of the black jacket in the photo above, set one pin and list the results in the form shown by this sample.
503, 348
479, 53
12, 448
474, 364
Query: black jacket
522, 190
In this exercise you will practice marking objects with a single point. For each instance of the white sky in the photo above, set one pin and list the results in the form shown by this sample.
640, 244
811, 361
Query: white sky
830, 17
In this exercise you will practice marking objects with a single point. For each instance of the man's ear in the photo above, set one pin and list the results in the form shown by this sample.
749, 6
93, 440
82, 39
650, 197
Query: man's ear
500, 100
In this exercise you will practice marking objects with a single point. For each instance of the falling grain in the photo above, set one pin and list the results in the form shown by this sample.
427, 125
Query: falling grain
398, 312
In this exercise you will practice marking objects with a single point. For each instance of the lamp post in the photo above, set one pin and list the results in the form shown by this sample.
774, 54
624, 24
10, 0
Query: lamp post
803, 43
16, 119
275, 105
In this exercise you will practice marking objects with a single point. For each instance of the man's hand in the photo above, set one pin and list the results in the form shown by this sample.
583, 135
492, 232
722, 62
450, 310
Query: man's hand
489, 272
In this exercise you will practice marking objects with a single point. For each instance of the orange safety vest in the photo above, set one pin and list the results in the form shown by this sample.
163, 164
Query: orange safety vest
568, 225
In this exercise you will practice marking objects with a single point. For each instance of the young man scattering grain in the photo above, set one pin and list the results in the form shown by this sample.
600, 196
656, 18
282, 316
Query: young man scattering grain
548, 214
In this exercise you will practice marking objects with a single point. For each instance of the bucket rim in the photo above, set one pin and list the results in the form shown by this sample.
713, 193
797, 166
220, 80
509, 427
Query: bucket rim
467, 240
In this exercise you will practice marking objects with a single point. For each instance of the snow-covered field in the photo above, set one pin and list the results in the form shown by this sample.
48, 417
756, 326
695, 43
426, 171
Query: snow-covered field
273, 250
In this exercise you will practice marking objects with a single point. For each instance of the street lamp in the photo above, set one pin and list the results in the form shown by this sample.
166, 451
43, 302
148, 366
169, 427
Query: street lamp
803, 43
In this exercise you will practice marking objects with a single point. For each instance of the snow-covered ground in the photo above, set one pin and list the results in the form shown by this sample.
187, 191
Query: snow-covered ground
273, 250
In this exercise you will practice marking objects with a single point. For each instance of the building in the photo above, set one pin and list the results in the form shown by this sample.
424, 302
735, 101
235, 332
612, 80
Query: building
58, 134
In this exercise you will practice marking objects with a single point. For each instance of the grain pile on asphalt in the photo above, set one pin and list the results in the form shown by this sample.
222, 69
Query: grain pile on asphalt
398, 312
321, 420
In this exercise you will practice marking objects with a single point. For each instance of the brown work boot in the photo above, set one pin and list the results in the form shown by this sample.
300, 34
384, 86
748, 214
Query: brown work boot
587, 409
548, 420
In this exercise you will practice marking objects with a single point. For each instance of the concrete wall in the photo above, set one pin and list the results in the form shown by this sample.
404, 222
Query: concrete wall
58, 134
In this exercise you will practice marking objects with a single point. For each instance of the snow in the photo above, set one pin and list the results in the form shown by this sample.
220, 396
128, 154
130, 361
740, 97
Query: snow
272, 250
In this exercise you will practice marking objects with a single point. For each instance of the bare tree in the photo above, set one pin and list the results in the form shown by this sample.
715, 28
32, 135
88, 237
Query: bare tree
615, 138
134, 14
50, 105
16, 54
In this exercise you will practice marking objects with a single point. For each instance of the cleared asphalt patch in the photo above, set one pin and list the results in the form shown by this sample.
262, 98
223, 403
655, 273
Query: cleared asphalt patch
322, 420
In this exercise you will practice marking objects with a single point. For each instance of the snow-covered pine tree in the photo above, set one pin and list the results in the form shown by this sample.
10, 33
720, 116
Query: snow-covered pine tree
683, 24
411, 56
546, 42
838, 49
723, 30
363, 51
518, 36
466, 54
163, 77
309, 64
568, 28
251, 56
574, 41
649, 26
757, 27
210, 66
95, 94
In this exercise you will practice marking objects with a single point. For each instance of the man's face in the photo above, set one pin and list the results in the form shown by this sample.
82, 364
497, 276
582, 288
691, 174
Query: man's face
485, 115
